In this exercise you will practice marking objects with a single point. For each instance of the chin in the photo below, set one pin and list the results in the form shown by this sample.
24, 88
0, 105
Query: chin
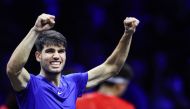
52, 70
55, 71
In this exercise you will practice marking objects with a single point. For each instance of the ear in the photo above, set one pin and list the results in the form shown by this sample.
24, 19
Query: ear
38, 56
116, 86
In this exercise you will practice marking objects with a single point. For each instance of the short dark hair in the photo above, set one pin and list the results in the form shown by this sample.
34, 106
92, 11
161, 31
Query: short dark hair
125, 73
50, 37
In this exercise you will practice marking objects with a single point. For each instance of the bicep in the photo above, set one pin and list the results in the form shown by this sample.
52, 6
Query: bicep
19, 80
99, 74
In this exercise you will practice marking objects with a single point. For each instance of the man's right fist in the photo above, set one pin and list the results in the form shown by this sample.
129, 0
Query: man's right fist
44, 22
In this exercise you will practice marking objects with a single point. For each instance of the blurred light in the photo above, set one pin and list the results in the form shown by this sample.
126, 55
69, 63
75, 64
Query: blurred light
175, 84
52, 7
98, 15
78, 67
139, 67
163, 103
161, 61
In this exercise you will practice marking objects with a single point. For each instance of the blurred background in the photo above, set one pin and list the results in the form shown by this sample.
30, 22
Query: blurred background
159, 55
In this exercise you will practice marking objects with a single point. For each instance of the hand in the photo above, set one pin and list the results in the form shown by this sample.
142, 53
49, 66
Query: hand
44, 22
130, 24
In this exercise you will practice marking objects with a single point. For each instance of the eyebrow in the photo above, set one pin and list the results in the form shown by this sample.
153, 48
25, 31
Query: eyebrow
49, 49
54, 49
62, 49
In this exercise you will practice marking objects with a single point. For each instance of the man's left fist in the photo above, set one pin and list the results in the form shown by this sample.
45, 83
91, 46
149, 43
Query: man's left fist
130, 24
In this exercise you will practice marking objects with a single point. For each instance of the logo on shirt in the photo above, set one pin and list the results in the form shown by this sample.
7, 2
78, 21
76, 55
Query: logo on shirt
60, 93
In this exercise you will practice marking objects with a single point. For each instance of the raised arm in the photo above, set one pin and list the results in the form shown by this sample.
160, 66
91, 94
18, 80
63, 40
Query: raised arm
116, 60
16, 72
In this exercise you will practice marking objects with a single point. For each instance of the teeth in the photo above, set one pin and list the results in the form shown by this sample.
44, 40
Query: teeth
55, 63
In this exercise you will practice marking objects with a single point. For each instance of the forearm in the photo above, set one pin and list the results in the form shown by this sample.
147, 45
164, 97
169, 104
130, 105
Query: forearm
113, 64
120, 53
22, 52
115, 61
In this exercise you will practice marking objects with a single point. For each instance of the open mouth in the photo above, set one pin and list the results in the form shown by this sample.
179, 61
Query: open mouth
55, 63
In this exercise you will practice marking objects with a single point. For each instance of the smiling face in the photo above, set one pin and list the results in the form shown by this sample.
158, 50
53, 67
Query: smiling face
52, 59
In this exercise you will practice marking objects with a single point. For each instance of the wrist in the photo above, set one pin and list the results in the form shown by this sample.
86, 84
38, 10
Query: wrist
128, 32
36, 30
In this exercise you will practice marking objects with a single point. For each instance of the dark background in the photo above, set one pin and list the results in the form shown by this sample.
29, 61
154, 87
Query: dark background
159, 54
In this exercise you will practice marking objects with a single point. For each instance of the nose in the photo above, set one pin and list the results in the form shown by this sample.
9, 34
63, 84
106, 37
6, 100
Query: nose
56, 56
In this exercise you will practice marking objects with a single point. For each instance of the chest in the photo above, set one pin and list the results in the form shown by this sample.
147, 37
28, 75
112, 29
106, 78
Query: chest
60, 97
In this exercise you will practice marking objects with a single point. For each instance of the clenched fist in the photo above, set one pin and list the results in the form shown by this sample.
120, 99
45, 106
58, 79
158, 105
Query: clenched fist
44, 22
130, 24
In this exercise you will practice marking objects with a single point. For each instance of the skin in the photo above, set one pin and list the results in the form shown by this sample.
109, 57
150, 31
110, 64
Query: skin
52, 58
115, 90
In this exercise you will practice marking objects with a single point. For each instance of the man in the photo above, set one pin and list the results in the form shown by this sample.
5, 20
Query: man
107, 96
49, 89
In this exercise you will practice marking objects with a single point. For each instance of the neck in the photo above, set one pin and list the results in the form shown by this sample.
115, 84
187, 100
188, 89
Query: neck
53, 78
107, 91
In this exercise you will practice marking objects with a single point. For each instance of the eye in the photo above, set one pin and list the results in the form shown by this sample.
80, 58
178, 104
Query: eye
50, 51
62, 51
